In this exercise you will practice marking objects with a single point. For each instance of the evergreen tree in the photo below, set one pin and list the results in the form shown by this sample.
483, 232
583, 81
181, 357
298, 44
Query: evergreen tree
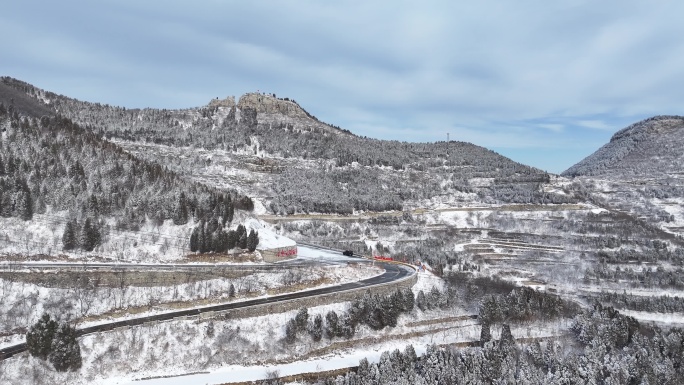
507, 341
194, 239
302, 319
220, 241
90, 236
242, 241
66, 353
420, 301
40, 335
485, 333
93, 207
212, 226
231, 240
409, 300
291, 331
69, 241
6, 207
231, 291
316, 328
181, 212
228, 210
347, 327
25, 205
331, 325
389, 311
202, 241
252, 240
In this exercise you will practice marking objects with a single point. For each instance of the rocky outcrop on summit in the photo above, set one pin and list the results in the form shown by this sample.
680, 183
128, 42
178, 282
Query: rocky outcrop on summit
286, 113
267, 104
228, 102
648, 148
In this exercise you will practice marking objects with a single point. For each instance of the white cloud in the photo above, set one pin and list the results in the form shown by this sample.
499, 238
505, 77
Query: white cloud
595, 124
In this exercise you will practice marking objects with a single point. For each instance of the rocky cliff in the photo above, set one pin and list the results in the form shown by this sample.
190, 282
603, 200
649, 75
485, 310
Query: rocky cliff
267, 104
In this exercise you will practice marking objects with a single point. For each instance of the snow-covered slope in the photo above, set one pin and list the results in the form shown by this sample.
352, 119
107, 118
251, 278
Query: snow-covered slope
648, 148
350, 173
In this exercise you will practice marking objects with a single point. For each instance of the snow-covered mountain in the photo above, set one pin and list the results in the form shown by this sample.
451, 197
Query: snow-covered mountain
650, 148
640, 171
307, 165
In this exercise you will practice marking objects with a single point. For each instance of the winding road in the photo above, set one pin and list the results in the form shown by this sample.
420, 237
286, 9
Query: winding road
393, 272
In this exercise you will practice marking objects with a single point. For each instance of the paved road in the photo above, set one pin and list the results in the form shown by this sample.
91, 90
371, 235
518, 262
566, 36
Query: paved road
393, 272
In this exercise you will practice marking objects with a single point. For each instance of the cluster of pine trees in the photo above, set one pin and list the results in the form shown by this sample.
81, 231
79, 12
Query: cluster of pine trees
523, 304
654, 277
373, 310
659, 304
15, 196
655, 252
49, 340
213, 237
85, 237
608, 348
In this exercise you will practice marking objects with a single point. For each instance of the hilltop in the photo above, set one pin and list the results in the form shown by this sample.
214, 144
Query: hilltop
640, 172
651, 147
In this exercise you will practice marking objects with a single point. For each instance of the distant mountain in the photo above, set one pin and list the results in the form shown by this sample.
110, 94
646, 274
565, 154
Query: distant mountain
650, 148
644, 167
318, 167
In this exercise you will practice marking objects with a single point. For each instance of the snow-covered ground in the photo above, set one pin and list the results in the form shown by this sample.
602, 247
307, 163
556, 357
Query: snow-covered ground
323, 255
24, 302
152, 243
663, 318
390, 339
249, 348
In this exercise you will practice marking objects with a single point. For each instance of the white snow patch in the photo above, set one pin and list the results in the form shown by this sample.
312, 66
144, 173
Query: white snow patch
668, 318
268, 239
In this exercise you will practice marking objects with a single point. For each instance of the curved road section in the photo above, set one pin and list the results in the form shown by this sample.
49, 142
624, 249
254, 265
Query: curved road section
393, 272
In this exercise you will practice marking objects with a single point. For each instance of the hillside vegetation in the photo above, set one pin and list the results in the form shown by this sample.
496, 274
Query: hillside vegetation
650, 147
49, 164
350, 173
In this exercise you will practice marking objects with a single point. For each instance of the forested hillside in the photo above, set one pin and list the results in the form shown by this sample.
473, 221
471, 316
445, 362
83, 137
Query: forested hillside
48, 163
351, 173
640, 172
649, 148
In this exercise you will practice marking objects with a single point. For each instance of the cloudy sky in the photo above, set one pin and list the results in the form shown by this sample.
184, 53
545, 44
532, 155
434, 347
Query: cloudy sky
543, 82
